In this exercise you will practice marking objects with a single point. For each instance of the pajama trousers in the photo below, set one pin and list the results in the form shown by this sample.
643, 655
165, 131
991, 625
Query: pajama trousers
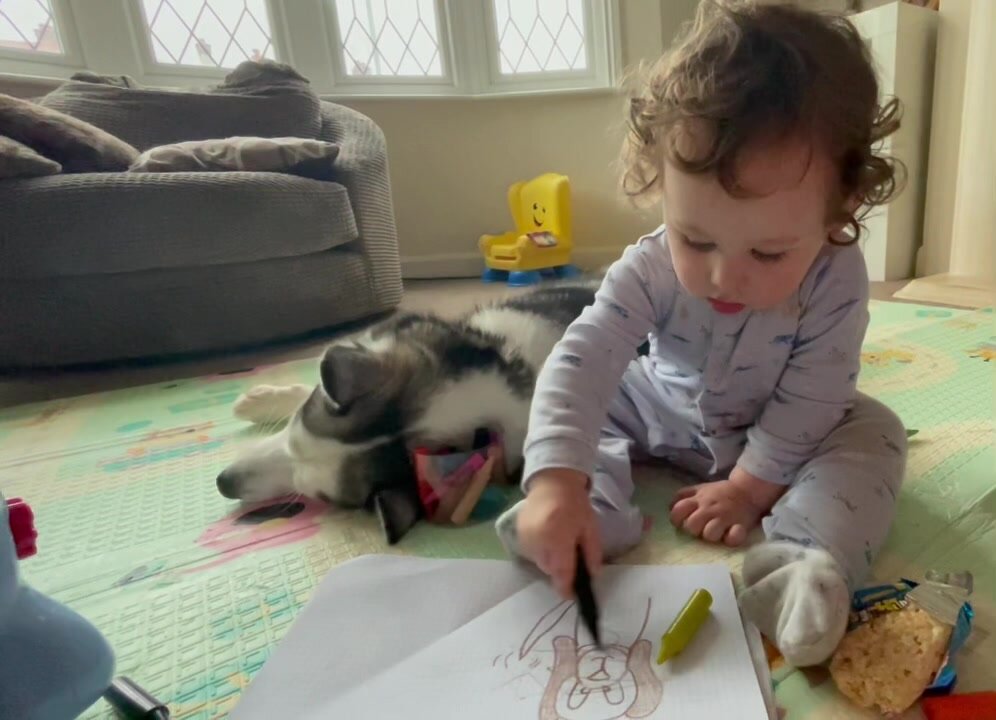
842, 500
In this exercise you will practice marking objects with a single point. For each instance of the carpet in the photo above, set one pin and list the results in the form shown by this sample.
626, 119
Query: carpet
193, 590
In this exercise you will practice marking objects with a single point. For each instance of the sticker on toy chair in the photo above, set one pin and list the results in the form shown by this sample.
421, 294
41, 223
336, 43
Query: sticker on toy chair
543, 239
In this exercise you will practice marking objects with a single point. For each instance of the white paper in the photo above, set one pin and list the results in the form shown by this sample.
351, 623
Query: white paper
529, 657
366, 615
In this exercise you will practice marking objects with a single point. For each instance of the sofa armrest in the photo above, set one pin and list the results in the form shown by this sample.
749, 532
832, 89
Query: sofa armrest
362, 168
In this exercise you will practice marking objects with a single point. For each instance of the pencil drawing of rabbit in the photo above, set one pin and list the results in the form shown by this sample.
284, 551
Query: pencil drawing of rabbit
588, 682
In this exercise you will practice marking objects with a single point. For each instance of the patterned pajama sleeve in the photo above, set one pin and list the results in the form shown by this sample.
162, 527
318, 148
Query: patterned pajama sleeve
582, 374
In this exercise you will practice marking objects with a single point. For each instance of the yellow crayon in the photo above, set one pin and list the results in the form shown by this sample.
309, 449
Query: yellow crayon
685, 625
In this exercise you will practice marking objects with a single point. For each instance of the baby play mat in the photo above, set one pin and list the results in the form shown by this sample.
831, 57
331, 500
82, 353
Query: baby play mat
193, 592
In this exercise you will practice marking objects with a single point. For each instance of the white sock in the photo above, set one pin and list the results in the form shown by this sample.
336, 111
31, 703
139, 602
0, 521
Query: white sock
505, 526
270, 403
798, 598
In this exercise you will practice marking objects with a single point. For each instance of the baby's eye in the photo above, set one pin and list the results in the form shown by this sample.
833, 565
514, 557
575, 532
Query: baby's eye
767, 257
697, 246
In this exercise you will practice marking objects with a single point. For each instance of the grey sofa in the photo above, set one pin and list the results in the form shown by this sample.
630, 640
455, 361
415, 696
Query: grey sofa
114, 266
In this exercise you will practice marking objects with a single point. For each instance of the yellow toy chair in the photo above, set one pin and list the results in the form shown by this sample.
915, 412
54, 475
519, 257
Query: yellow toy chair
541, 243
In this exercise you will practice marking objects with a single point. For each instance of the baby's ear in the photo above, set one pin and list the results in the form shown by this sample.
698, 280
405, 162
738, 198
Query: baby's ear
842, 220
852, 204
348, 374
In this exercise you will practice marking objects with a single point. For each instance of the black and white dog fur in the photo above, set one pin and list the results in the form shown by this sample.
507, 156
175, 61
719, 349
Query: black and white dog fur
416, 379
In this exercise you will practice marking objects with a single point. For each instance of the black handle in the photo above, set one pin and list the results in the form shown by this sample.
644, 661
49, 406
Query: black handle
134, 703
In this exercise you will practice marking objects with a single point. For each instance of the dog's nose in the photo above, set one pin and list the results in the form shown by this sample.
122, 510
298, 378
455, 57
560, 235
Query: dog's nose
228, 485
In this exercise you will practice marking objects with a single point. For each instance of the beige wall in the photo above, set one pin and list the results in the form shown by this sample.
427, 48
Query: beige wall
945, 136
973, 231
959, 232
452, 160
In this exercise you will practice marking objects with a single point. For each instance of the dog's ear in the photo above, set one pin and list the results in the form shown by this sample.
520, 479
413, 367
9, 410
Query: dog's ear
349, 373
397, 511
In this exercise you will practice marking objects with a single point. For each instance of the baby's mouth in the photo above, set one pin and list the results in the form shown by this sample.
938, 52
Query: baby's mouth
726, 308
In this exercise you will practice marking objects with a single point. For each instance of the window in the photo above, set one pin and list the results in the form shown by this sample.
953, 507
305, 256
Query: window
550, 44
471, 47
208, 33
345, 47
537, 36
29, 26
397, 38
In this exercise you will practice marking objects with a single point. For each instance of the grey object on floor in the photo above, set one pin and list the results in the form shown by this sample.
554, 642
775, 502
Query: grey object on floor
114, 266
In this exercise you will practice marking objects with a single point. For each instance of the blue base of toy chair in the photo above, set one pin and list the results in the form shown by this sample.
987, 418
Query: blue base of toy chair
565, 272
524, 278
490, 275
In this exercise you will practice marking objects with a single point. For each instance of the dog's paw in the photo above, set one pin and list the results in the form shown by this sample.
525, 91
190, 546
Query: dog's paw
270, 403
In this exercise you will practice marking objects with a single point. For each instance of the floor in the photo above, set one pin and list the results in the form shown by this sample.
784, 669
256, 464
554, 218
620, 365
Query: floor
446, 297
194, 591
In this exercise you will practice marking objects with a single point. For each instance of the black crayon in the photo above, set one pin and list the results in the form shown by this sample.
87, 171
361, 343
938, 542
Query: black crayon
586, 597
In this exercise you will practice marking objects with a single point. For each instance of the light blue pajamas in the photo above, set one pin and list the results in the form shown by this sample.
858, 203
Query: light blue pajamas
771, 391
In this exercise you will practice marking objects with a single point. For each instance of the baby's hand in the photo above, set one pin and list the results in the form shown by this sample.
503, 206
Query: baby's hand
554, 520
724, 510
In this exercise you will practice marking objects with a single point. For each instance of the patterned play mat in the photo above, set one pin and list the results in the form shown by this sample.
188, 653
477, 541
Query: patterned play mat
193, 594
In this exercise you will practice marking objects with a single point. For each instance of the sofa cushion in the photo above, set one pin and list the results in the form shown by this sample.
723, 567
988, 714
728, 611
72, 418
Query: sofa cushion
128, 222
76, 145
18, 160
256, 100
87, 319
238, 153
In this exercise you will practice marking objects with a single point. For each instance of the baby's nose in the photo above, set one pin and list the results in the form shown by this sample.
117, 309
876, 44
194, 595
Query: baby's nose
726, 277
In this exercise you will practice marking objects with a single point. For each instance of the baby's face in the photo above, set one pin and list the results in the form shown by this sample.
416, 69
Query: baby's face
749, 251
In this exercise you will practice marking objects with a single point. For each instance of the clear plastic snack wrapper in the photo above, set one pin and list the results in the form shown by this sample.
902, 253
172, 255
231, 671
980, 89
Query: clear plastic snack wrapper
902, 640
944, 596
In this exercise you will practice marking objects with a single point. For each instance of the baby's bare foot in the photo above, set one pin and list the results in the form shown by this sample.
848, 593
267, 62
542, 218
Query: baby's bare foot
719, 511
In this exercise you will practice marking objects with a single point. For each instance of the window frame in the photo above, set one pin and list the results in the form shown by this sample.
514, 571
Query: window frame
307, 36
71, 58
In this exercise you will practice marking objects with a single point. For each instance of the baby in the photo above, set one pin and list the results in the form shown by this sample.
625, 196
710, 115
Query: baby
757, 134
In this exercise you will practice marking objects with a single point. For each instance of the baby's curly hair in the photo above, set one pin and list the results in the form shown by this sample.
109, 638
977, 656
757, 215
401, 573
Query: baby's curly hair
756, 73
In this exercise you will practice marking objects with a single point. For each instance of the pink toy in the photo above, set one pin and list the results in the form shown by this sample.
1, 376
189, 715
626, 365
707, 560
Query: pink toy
452, 485
22, 527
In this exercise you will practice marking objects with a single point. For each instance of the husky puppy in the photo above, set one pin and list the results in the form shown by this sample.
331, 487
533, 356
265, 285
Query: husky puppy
416, 379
